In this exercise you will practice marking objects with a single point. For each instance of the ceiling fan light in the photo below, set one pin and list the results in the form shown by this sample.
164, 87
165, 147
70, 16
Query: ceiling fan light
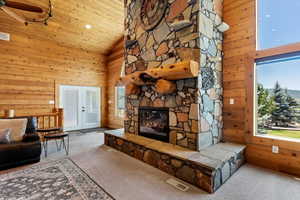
88, 26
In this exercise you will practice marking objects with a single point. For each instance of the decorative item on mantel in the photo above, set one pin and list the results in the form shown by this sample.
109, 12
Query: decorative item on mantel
220, 25
161, 77
6, 5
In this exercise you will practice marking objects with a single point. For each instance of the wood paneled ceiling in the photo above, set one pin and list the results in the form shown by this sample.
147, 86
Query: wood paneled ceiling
67, 26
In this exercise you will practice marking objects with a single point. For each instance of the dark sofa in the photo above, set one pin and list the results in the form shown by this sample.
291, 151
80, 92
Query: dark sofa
20, 153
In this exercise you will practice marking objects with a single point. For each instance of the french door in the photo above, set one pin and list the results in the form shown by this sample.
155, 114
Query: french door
81, 107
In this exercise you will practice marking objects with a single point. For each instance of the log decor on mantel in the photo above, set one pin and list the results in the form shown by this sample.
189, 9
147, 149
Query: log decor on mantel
161, 77
132, 89
182, 70
163, 86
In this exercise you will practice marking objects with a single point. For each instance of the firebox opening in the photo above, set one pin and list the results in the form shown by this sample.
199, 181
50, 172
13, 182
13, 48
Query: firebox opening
154, 123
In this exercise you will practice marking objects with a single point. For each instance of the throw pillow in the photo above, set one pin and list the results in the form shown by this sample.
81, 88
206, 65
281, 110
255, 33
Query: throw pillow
18, 127
4, 135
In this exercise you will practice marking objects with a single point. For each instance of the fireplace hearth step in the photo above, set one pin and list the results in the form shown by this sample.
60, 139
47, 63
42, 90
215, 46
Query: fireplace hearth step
207, 169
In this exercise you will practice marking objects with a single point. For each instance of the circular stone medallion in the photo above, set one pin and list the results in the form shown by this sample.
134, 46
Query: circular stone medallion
152, 12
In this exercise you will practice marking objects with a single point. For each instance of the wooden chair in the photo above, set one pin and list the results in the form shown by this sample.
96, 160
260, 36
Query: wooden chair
56, 134
50, 127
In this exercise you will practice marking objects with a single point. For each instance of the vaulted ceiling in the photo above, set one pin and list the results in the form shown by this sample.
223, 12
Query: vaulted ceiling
67, 27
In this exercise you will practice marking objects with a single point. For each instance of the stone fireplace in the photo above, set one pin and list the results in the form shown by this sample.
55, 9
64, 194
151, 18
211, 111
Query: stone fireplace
164, 32
154, 123
161, 35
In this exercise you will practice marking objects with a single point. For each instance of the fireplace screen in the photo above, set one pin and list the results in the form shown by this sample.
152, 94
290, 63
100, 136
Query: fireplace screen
154, 123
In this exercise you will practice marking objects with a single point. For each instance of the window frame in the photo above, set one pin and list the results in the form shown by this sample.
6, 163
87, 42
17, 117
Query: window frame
251, 92
119, 112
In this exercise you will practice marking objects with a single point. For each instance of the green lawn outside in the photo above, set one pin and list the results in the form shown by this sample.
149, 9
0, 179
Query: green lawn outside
285, 133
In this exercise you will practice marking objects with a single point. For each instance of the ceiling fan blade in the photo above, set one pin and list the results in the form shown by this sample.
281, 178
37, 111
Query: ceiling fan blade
14, 15
23, 6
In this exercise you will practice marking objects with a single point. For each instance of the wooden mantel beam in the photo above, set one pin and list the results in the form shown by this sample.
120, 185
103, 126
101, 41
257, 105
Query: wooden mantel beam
161, 77
181, 70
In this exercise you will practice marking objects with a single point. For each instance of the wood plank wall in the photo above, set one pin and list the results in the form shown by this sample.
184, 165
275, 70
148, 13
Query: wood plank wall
239, 49
29, 69
239, 41
114, 62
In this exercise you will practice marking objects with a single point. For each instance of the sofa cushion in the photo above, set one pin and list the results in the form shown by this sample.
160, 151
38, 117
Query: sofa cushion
31, 124
17, 126
5, 136
15, 154
31, 137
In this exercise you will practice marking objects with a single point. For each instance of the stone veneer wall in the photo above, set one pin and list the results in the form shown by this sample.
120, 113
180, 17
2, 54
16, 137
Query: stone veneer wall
187, 32
210, 81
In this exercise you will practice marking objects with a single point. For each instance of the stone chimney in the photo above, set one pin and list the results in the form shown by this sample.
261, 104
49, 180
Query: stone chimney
165, 32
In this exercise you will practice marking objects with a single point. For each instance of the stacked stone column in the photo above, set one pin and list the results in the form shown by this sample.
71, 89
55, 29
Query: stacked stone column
187, 31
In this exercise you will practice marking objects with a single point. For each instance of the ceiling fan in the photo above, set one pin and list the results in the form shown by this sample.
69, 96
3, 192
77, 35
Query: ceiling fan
6, 5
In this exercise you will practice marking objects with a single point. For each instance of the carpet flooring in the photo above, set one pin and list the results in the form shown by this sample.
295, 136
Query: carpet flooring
79, 142
129, 179
126, 178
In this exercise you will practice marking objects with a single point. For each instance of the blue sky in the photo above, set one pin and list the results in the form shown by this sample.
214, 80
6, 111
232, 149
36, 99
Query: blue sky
279, 24
287, 73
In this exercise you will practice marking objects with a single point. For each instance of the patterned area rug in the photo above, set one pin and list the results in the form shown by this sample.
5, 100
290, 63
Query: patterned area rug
58, 180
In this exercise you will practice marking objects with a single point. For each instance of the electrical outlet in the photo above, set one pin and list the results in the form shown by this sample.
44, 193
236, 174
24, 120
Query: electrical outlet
231, 101
275, 149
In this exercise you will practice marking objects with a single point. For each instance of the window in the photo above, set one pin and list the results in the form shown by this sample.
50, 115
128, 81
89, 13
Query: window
277, 69
120, 101
278, 96
277, 23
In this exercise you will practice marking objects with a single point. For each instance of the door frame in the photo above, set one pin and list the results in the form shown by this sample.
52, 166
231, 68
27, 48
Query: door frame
58, 98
